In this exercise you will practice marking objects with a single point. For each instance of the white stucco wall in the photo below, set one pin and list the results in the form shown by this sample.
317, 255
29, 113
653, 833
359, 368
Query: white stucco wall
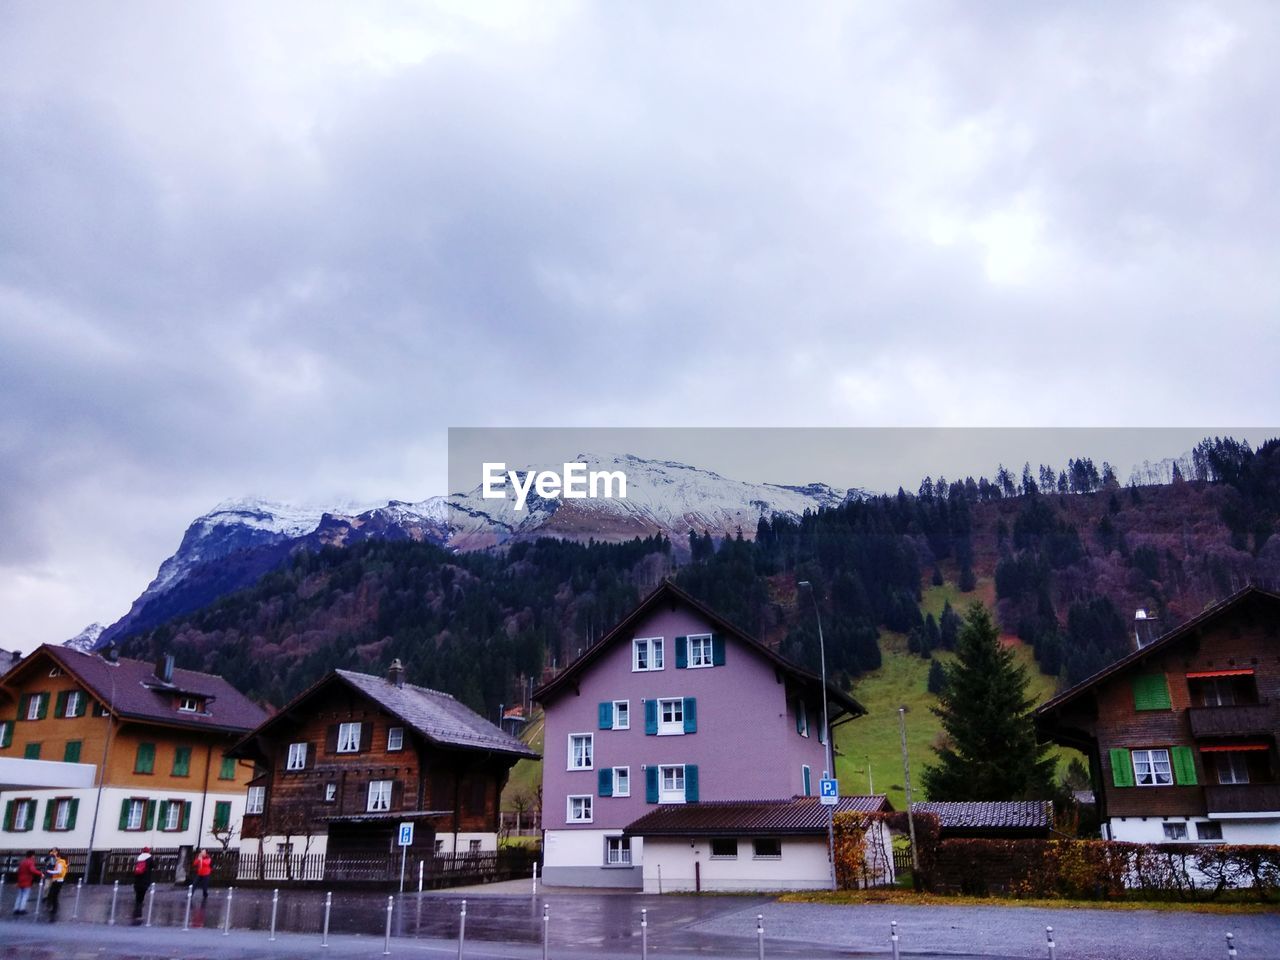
669, 866
1264, 829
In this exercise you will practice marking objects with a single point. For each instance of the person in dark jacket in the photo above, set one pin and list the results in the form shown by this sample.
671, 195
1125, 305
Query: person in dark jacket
56, 874
142, 868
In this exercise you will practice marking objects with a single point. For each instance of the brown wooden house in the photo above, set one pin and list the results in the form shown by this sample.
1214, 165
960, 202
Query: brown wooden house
356, 755
1182, 732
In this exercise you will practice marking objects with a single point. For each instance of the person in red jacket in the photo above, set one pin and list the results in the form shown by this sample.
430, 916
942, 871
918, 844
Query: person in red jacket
202, 867
28, 873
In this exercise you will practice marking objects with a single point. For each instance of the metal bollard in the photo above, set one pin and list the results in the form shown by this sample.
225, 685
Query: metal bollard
328, 902
1048, 933
893, 938
275, 903
421, 865
546, 921
1231, 945
535, 878
186, 918
35, 914
760, 935
462, 928
151, 902
386, 940
644, 935
115, 892
75, 912
226, 918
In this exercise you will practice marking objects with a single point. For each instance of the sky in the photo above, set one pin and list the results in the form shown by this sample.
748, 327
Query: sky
279, 249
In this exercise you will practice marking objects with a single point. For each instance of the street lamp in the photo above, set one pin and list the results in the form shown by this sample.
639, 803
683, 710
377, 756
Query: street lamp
826, 732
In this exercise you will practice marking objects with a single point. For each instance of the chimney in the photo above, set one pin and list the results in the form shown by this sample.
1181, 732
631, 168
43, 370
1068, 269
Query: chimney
395, 673
1144, 628
164, 668
112, 654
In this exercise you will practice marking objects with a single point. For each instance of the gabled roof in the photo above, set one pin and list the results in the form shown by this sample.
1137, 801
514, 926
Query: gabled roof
132, 691
1025, 815
1170, 639
720, 818
438, 717
668, 592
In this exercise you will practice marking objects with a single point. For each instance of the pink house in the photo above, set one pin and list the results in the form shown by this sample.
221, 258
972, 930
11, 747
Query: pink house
674, 706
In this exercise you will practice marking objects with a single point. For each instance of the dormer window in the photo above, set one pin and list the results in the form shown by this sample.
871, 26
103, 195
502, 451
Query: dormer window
55, 672
188, 705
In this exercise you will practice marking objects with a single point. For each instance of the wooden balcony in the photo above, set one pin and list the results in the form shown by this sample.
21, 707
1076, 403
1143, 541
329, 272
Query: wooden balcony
1242, 797
1243, 720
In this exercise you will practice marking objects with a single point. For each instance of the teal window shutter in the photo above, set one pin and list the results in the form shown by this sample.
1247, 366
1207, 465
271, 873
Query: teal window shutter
717, 650
32, 752
43, 706
1121, 768
24, 706
1184, 766
690, 783
606, 715
124, 813
604, 782
82, 704
682, 653
71, 753
186, 815
71, 813
651, 784
808, 787
145, 761
48, 813
150, 820
182, 762
60, 708
651, 718
163, 809
690, 714
1151, 692
8, 814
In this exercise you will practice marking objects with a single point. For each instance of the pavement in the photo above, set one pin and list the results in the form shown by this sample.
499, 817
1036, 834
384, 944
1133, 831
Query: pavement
505, 922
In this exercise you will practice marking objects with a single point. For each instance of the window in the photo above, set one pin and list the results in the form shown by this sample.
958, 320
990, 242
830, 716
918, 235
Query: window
74, 704
617, 851
182, 762
31, 751
802, 718
473, 847
671, 784
1151, 768
64, 814
580, 748
766, 848
255, 800
724, 848
379, 796
284, 849
6, 733
20, 815
1232, 767
145, 759
579, 809
330, 793
297, 759
622, 781
808, 782
622, 714
227, 770
348, 738
1175, 831
55, 671
646, 654
395, 738
171, 819
71, 752
439, 847
671, 716
1208, 831
135, 811
37, 706
188, 705
222, 809
1217, 692
700, 654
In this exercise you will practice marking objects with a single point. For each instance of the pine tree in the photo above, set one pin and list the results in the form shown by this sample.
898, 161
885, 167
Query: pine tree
937, 682
990, 752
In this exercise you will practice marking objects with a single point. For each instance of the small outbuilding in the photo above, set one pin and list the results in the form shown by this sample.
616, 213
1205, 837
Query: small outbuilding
994, 819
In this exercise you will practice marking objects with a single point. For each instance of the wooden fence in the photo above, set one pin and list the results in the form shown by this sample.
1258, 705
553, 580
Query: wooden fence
442, 871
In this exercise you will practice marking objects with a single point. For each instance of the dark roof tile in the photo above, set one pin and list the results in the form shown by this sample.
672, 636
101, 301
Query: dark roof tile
990, 815
790, 816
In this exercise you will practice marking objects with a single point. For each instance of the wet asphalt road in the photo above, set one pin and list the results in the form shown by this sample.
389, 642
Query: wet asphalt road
608, 926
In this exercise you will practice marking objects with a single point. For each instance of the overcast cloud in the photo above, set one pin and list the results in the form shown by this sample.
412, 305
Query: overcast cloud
277, 249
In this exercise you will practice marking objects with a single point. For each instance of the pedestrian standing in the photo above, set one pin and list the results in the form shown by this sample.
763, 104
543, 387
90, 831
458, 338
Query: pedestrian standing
56, 873
202, 867
142, 868
28, 872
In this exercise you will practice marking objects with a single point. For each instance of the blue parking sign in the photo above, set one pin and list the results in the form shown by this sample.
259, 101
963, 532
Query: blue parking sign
828, 791
406, 834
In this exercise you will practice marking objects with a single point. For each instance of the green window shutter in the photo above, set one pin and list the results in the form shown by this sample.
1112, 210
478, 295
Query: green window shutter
1184, 766
606, 715
182, 762
690, 714
651, 784
221, 814
1121, 768
43, 708
82, 704
71, 813
717, 650
162, 808
124, 814
72, 752
690, 783
49, 806
651, 718
32, 751
6, 733
682, 653
150, 820
186, 816
24, 706
808, 787
604, 782
60, 708
228, 769
8, 815
145, 761
1151, 692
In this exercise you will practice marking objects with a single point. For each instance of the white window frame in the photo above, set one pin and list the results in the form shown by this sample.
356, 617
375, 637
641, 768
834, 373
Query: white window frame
622, 781
802, 709
330, 793
34, 705
647, 655
24, 816
1201, 825
172, 816
585, 804
62, 813
617, 851
6, 728
672, 773
137, 814
346, 744
1237, 767
706, 655
1160, 770
255, 800
584, 760
1175, 832
188, 705
1219, 686
379, 800
297, 759
674, 726
757, 855
622, 715
395, 738
72, 706
55, 671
